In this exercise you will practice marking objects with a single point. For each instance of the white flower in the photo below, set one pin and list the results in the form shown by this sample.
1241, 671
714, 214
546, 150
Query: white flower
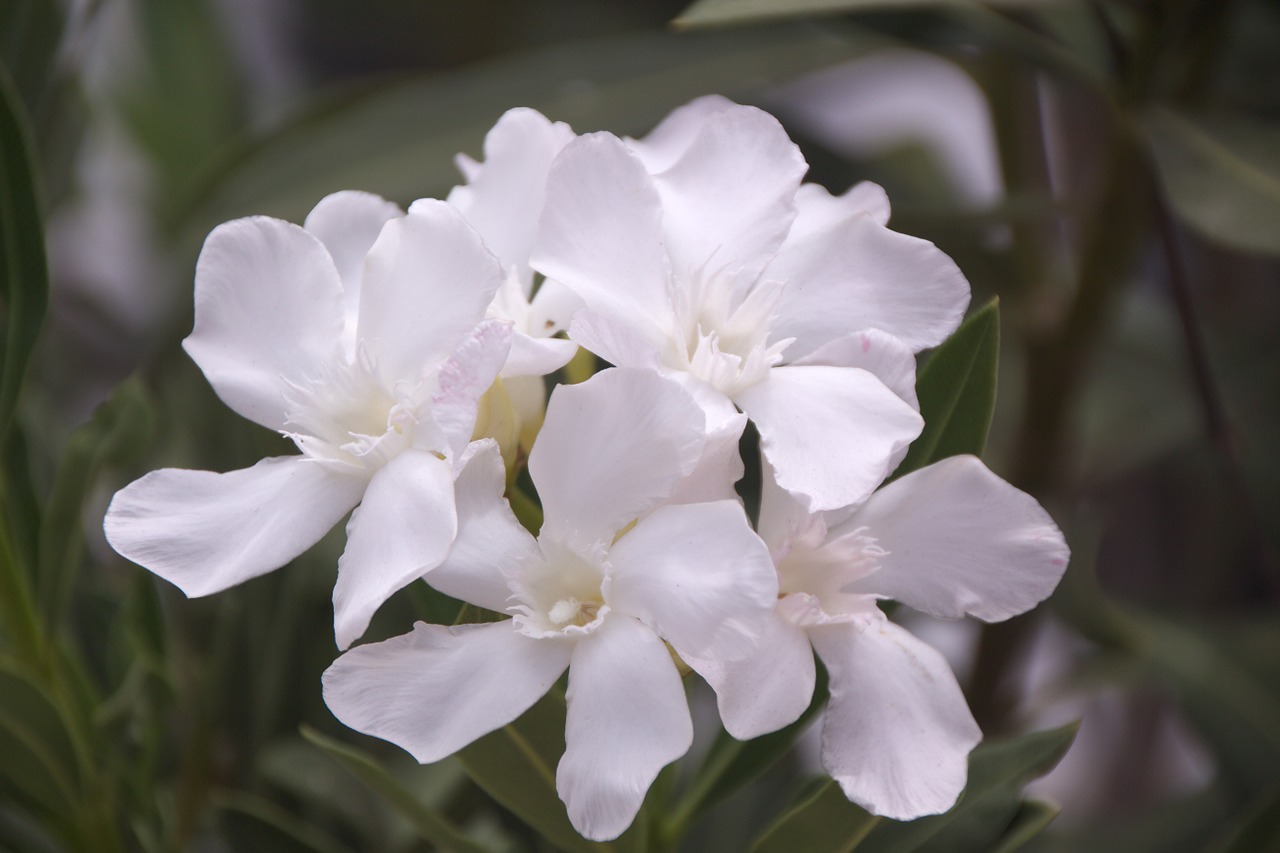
698, 253
362, 338
615, 572
951, 539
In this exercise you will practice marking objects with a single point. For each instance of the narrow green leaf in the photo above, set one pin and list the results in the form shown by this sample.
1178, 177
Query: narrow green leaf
1221, 175
284, 831
30, 31
430, 826
1030, 820
824, 821
40, 762
712, 13
24, 277
957, 390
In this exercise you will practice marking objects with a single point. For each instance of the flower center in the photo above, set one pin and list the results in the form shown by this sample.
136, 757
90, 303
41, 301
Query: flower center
563, 593
823, 570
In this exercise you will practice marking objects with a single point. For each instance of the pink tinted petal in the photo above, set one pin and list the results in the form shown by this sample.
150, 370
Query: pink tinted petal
832, 434
611, 449
490, 542
205, 532
504, 194
698, 576
728, 201
428, 281
892, 361
437, 689
897, 732
402, 529
628, 718
766, 690
463, 379
348, 223
268, 312
601, 233
817, 208
962, 541
857, 274
663, 145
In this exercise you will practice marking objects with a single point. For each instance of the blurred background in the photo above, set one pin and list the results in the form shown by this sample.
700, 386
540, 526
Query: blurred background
1109, 170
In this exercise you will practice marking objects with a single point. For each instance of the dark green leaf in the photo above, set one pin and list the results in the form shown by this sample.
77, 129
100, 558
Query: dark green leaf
430, 826
957, 390
274, 828
1031, 819
40, 758
824, 821
1257, 830
710, 13
1221, 176
29, 34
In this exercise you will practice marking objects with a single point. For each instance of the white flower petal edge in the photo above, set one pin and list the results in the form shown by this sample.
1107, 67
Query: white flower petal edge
205, 532
435, 690
628, 718
961, 541
897, 731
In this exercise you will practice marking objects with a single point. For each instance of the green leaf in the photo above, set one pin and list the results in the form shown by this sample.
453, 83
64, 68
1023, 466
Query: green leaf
710, 13
823, 821
1221, 175
30, 31
40, 759
1257, 830
430, 826
1030, 820
957, 390
275, 828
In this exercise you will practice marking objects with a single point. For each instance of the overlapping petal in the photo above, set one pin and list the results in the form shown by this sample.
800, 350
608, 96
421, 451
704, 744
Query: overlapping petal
627, 719
463, 380
816, 208
437, 689
897, 731
205, 532
962, 541
892, 361
268, 309
664, 145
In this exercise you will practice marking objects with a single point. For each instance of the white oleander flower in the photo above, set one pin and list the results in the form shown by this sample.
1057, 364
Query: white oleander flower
951, 539
615, 575
362, 337
697, 252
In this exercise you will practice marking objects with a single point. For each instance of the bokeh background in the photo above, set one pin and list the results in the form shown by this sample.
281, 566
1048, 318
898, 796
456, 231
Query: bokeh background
1109, 170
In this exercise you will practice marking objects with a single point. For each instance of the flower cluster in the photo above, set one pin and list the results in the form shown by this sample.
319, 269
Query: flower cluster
721, 288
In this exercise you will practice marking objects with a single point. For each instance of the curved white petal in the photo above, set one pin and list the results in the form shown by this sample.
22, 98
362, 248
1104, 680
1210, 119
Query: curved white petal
628, 718
205, 532
428, 281
531, 356
613, 340
769, 688
504, 194
832, 434
490, 542
437, 689
348, 223
728, 201
962, 541
857, 274
721, 463
698, 576
268, 312
892, 361
611, 449
601, 234
551, 309
817, 208
897, 732
402, 529
663, 145
463, 379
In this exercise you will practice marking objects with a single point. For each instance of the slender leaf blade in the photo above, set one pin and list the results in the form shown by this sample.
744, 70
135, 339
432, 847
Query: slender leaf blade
1030, 820
824, 821
711, 13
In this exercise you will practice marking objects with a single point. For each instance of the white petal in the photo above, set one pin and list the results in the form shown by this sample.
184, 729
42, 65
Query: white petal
962, 541
628, 718
463, 379
532, 356
663, 145
832, 434
897, 732
504, 195
721, 463
892, 361
437, 689
402, 529
728, 202
766, 690
698, 576
428, 281
552, 308
205, 532
490, 541
613, 340
348, 223
817, 208
611, 449
601, 233
857, 274
268, 311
